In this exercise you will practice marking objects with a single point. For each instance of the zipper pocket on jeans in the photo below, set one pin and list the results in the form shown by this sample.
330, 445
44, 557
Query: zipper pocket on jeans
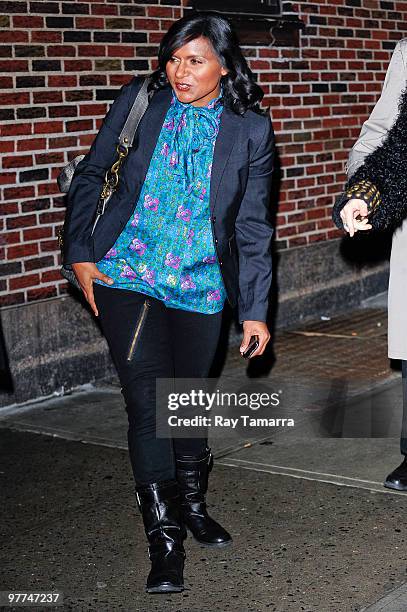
137, 331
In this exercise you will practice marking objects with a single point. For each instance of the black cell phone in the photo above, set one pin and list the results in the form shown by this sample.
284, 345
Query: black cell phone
253, 345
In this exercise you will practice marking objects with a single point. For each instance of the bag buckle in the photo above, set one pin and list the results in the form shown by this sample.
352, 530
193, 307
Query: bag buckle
101, 207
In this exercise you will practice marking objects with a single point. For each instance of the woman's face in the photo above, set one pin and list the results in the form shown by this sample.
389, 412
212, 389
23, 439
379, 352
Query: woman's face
194, 72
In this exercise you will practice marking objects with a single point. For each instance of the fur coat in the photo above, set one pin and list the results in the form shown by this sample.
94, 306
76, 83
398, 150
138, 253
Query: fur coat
386, 169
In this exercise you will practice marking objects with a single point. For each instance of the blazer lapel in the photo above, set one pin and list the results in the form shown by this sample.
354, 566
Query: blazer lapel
229, 128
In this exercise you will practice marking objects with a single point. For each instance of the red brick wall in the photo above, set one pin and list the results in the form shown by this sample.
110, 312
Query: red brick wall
61, 63
320, 95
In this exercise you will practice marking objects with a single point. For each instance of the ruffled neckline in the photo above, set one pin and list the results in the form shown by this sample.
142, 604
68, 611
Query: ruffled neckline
212, 106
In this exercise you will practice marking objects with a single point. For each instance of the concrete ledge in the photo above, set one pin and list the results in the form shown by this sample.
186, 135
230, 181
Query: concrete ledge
51, 346
56, 344
326, 278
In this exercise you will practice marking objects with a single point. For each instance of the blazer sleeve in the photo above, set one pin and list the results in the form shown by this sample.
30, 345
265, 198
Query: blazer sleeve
254, 230
87, 182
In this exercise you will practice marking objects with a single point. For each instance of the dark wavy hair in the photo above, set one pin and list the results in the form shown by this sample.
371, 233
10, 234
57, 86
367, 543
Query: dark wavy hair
240, 91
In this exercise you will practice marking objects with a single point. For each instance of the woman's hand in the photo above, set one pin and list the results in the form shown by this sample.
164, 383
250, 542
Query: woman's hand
85, 272
352, 209
255, 328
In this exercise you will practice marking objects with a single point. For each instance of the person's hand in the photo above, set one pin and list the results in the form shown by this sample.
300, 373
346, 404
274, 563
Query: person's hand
255, 328
352, 209
85, 272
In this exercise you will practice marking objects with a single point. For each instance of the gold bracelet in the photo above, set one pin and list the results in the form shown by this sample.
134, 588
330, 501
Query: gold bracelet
367, 191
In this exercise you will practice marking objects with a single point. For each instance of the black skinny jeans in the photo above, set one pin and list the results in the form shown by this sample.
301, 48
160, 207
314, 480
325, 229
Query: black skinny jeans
162, 342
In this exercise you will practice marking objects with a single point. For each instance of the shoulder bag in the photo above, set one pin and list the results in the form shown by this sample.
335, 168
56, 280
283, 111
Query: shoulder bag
111, 180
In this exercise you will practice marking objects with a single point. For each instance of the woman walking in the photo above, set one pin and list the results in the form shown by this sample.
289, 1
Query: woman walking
188, 229
376, 196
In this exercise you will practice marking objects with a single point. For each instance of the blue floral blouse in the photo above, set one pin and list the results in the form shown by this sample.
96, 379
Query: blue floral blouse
166, 249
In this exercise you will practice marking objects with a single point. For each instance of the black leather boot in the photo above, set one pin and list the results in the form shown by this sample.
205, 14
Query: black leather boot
192, 476
397, 479
159, 504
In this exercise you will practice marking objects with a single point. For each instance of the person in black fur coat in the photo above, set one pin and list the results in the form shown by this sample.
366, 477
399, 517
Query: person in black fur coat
375, 197
380, 182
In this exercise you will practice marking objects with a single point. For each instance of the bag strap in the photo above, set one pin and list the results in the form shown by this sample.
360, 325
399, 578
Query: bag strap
135, 115
126, 138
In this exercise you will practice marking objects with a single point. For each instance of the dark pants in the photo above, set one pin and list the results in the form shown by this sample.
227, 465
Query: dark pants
403, 438
149, 342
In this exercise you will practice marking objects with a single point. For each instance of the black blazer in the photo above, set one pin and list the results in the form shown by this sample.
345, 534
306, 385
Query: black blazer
239, 195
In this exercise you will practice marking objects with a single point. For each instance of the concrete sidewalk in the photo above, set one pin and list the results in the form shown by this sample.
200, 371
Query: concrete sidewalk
313, 527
